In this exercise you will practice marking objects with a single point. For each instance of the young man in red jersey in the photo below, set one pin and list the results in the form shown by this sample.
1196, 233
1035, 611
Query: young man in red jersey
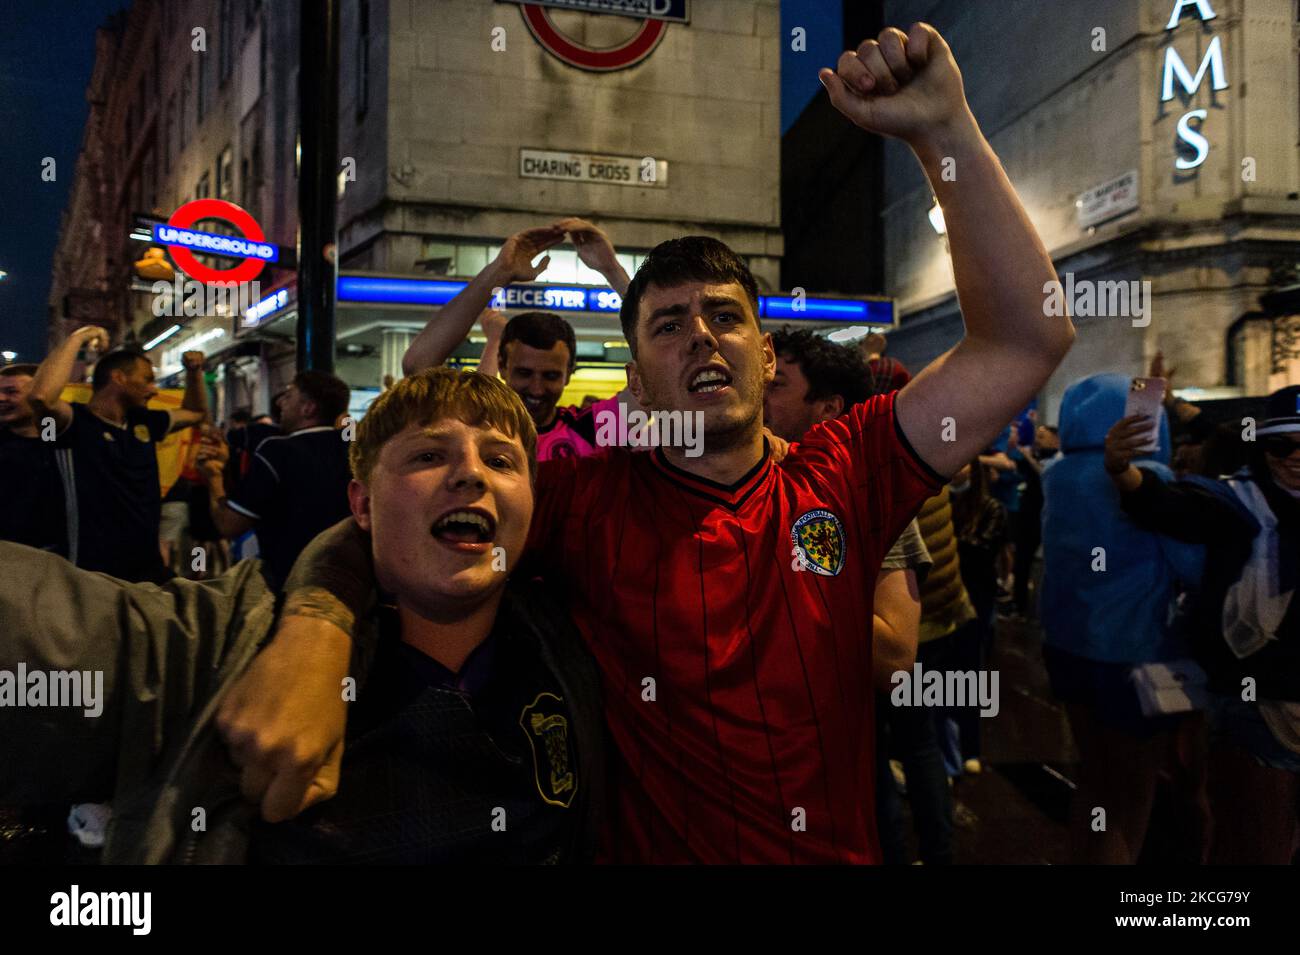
727, 600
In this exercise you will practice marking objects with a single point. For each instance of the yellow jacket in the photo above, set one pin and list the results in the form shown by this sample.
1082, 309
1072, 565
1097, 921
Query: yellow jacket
945, 605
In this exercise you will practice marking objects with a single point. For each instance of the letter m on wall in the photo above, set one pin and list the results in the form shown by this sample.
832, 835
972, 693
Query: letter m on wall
1176, 68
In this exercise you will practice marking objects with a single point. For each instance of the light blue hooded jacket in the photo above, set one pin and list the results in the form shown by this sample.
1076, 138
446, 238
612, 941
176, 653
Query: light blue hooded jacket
1122, 614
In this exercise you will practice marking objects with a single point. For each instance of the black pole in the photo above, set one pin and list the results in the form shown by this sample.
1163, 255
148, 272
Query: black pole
318, 129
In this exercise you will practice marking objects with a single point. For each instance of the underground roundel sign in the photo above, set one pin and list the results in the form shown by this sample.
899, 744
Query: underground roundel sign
183, 242
655, 15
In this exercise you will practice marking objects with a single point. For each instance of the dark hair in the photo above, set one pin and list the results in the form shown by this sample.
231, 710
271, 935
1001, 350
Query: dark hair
831, 369
1052, 428
240, 416
539, 330
9, 371
120, 359
329, 392
692, 258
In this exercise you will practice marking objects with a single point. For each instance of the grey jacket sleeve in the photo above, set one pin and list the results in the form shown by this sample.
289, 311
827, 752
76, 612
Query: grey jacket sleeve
122, 670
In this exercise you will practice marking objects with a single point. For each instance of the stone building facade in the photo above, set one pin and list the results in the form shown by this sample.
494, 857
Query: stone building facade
1073, 98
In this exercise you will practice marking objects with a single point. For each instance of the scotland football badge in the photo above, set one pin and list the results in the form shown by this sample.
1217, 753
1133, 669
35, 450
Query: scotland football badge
547, 729
818, 538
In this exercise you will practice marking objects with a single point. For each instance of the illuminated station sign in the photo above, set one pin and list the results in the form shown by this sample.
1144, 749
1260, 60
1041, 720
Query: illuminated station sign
587, 298
183, 242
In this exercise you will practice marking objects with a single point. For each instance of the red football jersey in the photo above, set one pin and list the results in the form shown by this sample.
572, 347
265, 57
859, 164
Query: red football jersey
732, 628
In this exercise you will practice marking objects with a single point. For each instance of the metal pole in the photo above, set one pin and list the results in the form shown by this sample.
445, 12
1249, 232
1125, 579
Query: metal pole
318, 129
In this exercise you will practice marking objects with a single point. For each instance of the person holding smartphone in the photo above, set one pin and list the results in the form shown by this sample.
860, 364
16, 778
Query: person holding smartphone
1108, 590
1246, 622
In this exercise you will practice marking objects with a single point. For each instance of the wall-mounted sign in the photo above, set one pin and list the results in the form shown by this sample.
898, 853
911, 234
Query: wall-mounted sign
655, 15
1110, 199
259, 313
646, 171
558, 298
1176, 69
183, 241
589, 298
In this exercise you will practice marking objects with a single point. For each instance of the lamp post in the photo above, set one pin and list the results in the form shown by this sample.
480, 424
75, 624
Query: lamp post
318, 111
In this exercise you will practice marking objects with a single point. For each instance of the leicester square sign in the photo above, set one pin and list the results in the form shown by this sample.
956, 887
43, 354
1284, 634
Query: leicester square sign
183, 242
655, 16
1175, 69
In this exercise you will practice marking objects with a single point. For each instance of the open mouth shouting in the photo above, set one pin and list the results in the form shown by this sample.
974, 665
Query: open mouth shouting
709, 380
466, 530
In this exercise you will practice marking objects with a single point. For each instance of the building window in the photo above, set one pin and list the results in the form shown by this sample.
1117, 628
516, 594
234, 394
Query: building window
227, 39
149, 178
255, 200
204, 189
182, 116
363, 55
443, 256
250, 166
226, 174
200, 102
168, 134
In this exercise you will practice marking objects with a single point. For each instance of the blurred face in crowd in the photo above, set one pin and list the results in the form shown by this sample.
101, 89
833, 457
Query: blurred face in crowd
538, 376
786, 411
699, 348
135, 383
1046, 441
1282, 454
297, 411
439, 500
15, 410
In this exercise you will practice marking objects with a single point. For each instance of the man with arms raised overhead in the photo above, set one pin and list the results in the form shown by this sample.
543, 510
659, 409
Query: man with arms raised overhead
727, 600
535, 352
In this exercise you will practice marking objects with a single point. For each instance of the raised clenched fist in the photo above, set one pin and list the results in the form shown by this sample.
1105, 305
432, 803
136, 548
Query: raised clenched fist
905, 85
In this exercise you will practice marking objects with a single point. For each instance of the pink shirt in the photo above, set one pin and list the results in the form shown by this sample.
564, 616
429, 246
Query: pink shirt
573, 432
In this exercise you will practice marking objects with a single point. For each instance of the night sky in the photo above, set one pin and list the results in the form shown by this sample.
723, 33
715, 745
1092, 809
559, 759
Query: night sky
46, 57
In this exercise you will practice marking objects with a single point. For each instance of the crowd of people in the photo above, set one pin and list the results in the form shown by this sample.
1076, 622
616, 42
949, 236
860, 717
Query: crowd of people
477, 632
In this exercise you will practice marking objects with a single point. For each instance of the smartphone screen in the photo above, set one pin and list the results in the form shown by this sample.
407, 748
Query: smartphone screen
1146, 396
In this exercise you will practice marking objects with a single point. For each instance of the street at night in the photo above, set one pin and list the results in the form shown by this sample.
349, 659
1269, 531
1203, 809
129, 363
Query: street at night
649, 433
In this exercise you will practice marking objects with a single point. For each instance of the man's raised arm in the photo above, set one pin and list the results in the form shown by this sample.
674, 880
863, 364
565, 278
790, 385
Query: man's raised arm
194, 403
284, 720
908, 86
55, 371
446, 330
513, 263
